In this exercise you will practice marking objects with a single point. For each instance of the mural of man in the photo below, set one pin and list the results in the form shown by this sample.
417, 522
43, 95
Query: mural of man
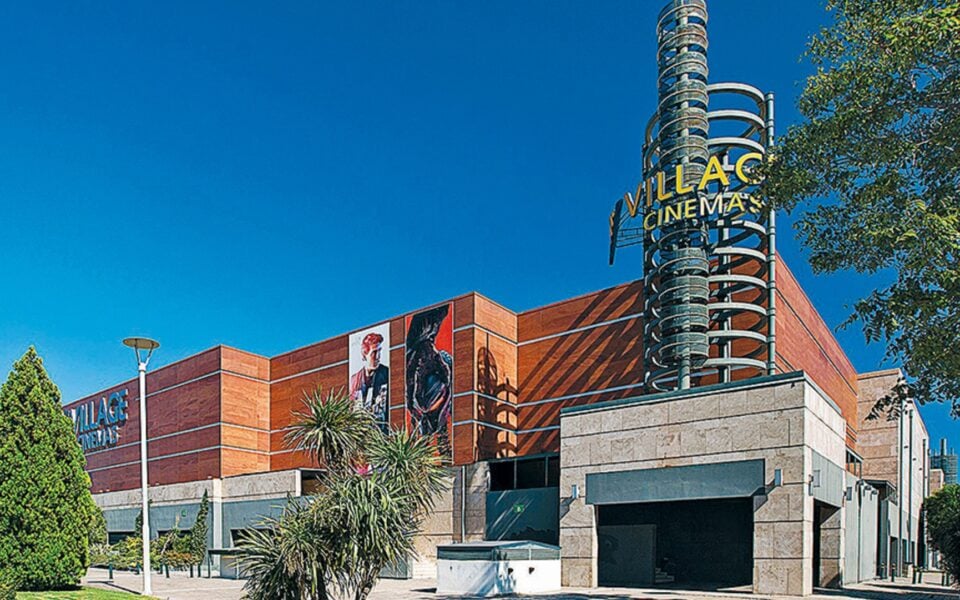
369, 386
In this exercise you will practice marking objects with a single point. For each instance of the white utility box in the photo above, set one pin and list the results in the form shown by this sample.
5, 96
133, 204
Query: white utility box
497, 568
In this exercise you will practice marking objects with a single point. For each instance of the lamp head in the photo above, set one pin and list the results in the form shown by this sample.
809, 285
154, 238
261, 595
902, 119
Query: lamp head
142, 344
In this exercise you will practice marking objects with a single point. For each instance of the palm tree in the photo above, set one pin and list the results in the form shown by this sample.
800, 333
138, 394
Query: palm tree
375, 490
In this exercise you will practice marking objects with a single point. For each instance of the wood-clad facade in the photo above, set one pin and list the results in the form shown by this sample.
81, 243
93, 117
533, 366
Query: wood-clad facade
225, 412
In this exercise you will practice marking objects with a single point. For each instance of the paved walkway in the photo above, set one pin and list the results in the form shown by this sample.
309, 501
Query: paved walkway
179, 586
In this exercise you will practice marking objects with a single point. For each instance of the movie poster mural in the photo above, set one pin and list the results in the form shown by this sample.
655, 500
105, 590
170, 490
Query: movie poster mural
370, 372
429, 374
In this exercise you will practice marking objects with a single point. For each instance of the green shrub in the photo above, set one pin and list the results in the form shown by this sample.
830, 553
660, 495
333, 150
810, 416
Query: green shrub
45, 502
102, 555
8, 585
128, 552
197, 536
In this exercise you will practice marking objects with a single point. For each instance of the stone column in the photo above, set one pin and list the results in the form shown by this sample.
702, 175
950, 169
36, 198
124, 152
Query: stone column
782, 536
471, 525
216, 512
578, 528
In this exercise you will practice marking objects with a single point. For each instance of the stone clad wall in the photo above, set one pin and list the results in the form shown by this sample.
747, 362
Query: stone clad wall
778, 420
443, 525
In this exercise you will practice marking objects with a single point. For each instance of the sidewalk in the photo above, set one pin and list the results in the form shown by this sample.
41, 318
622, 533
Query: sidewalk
179, 586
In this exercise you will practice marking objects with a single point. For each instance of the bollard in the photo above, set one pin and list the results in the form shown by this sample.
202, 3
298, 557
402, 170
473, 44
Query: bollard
166, 568
110, 570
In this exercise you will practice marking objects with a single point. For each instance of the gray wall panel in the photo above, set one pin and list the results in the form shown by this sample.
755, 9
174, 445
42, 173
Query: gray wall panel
831, 487
246, 514
531, 514
736, 479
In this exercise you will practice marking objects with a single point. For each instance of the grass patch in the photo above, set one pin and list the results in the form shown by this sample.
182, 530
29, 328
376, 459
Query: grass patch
81, 594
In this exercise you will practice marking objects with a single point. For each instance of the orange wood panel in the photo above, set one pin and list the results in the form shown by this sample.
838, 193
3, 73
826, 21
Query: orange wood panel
195, 466
178, 409
463, 307
314, 356
243, 438
538, 442
287, 396
208, 437
495, 443
113, 456
115, 479
244, 401
283, 461
548, 414
464, 407
240, 462
397, 369
464, 443
178, 372
397, 333
493, 317
596, 307
598, 358
278, 441
500, 413
398, 418
246, 363
463, 361
496, 366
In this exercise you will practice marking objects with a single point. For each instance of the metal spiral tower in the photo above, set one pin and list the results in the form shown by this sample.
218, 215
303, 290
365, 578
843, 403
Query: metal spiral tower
709, 309
677, 269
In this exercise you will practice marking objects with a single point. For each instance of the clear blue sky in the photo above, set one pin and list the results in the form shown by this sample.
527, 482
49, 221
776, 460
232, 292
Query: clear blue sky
266, 175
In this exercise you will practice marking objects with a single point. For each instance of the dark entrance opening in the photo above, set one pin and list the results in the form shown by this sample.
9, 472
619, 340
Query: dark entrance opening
693, 544
827, 553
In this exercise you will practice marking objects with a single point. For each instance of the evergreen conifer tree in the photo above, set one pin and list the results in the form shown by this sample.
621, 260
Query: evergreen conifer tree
138, 524
198, 533
45, 501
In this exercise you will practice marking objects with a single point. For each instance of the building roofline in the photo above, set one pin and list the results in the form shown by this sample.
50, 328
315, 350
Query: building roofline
880, 373
157, 370
766, 380
577, 297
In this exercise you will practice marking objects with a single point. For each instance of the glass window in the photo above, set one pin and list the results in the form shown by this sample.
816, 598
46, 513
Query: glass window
501, 476
531, 473
553, 471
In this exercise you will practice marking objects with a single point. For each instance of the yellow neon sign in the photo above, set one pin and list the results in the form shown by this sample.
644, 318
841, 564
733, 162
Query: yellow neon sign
698, 206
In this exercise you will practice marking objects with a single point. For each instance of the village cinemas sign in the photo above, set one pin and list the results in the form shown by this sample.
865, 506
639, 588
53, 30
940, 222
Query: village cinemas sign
670, 208
97, 424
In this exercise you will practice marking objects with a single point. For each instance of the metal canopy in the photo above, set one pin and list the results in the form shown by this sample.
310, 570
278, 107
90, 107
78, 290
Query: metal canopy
738, 479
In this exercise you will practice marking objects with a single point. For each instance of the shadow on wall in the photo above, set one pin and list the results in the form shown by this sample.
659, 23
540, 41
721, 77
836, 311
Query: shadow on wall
594, 359
495, 443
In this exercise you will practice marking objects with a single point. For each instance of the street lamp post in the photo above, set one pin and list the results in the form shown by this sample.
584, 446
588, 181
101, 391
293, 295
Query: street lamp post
144, 347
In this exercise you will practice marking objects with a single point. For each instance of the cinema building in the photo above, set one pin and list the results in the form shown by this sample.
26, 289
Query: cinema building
698, 426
